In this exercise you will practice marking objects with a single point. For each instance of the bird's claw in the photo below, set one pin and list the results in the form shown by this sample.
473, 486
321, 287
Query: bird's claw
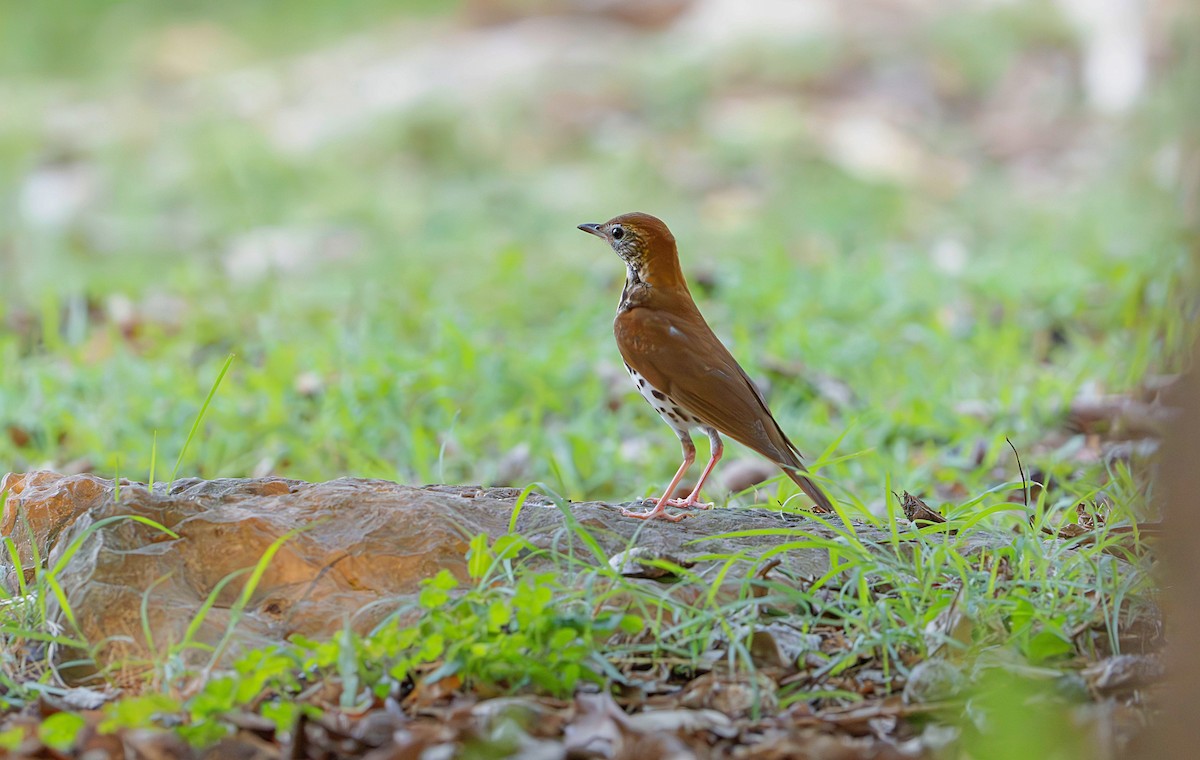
689, 504
658, 513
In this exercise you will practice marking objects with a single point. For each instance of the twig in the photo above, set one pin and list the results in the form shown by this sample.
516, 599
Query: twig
1021, 470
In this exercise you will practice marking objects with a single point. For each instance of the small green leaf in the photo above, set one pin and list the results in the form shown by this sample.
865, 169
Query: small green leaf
1022, 615
432, 647
542, 596
562, 637
431, 598
204, 732
61, 730
137, 712
632, 624
506, 547
569, 675
1046, 645
406, 637
399, 670
217, 696
499, 615
11, 738
479, 558
444, 580
282, 713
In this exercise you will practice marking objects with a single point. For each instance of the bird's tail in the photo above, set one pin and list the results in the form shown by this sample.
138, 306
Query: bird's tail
813, 491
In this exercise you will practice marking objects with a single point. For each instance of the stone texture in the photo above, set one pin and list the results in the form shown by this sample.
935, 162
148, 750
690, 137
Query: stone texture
358, 549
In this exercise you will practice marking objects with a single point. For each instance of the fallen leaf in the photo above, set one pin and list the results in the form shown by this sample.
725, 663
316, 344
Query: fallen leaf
737, 694
1124, 673
596, 729
917, 511
655, 721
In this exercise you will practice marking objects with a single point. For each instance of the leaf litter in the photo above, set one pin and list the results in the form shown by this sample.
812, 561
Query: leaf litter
808, 689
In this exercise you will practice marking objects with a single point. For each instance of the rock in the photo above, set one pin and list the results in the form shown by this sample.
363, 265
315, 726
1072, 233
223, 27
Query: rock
933, 680
781, 645
348, 550
640, 562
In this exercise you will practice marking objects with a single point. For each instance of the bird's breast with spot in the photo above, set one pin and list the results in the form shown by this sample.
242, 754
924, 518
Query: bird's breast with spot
673, 414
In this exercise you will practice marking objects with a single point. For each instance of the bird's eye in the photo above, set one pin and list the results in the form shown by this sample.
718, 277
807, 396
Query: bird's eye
617, 232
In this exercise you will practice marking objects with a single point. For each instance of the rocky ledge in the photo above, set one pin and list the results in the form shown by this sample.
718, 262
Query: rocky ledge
355, 550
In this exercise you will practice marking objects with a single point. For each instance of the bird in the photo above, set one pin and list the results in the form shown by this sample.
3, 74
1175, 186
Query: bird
680, 366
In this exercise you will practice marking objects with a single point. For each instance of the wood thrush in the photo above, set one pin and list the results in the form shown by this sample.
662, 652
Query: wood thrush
682, 368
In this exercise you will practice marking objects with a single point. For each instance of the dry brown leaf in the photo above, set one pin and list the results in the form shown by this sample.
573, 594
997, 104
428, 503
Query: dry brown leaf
1124, 673
917, 511
737, 694
596, 728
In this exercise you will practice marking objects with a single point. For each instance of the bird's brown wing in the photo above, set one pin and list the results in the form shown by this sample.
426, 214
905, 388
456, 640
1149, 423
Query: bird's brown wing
679, 354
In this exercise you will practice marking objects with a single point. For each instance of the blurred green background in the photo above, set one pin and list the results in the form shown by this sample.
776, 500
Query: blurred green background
923, 226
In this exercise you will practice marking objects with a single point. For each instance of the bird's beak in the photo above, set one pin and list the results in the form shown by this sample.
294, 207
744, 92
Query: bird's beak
593, 228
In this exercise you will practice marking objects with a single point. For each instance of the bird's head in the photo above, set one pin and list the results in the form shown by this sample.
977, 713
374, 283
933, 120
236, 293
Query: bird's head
645, 244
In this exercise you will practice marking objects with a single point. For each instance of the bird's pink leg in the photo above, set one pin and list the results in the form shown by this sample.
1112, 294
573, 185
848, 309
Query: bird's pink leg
693, 499
660, 509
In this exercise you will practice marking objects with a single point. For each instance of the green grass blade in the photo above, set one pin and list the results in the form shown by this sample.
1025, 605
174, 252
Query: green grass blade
153, 460
200, 417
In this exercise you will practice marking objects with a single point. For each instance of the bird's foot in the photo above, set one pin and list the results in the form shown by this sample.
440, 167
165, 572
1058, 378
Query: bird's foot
691, 502
658, 513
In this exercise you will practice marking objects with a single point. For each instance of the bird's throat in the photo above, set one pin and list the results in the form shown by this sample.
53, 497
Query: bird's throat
629, 294
632, 277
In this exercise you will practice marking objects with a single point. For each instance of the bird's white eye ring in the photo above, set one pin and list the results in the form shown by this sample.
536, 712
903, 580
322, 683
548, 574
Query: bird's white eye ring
617, 232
